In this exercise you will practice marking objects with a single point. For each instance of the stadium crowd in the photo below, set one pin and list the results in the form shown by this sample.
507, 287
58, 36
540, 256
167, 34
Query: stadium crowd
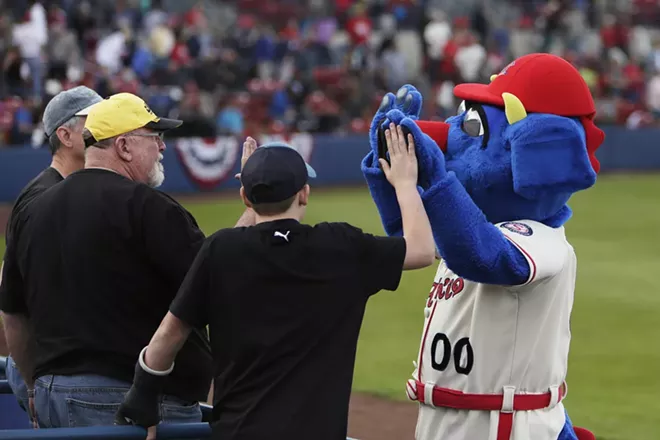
250, 66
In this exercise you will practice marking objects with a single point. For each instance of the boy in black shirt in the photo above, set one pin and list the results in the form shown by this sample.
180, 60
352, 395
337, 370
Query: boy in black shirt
284, 302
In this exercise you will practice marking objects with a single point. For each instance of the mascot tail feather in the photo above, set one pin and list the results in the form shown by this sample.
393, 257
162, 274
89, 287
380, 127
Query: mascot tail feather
584, 434
571, 432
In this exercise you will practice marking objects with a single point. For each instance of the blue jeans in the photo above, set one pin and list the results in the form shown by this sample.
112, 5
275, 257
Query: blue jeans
91, 400
17, 384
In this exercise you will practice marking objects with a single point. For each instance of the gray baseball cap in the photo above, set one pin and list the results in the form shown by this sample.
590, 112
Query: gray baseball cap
65, 105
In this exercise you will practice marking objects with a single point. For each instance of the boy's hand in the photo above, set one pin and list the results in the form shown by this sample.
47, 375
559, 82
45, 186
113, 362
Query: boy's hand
402, 170
249, 146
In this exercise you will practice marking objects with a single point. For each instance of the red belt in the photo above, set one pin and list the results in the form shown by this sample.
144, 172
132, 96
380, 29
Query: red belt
506, 403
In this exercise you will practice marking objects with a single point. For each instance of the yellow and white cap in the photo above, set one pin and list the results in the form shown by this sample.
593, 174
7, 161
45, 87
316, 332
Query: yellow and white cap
120, 114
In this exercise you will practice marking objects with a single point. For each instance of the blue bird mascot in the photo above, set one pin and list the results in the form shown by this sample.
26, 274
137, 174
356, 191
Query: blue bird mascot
495, 180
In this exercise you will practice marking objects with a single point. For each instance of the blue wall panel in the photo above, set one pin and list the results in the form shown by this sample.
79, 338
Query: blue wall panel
203, 165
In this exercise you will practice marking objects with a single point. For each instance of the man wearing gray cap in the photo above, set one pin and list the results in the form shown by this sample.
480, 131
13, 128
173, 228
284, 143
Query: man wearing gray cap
64, 120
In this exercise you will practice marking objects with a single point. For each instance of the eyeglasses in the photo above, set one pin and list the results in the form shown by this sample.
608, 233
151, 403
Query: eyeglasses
160, 135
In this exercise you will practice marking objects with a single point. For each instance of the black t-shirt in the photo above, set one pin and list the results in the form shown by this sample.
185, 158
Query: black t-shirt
97, 263
284, 302
47, 178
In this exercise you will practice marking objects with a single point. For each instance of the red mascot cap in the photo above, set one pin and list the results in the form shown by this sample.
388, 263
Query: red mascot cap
543, 83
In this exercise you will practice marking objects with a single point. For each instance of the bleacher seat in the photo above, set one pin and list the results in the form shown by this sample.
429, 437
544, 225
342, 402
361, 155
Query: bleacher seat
328, 76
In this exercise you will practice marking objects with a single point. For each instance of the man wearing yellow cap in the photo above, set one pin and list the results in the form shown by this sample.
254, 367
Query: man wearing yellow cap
128, 137
104, 254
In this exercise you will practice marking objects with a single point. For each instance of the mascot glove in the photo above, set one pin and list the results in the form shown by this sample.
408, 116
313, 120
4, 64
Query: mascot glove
430, 158
411, 389
384, 196
411, 385
409, 103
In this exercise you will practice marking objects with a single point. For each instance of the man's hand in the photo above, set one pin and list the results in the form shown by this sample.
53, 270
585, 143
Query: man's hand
32, 412
248, 148
402, 170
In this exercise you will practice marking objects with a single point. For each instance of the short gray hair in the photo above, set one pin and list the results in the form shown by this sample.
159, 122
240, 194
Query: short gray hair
103, 144
54, 140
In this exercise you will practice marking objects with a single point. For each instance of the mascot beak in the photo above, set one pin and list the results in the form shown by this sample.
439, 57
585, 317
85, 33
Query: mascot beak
438, 131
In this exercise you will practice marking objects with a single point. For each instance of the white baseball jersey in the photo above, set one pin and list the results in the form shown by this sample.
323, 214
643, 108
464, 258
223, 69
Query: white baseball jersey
478, 338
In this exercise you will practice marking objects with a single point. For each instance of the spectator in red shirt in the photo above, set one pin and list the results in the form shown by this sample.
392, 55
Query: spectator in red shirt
359, 26
195, 16
180, 55
125, 82
448, 69
341, 10
634, 76
290, 31
613, 34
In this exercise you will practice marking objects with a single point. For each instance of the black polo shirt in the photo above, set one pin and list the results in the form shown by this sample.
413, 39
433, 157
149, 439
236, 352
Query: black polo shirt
284, 302
97, 263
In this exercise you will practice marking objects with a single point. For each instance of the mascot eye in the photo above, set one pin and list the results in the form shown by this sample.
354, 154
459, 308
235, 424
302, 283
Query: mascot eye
472, 124
461, 108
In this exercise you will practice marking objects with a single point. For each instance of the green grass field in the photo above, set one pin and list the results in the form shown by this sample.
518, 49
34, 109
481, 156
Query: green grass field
614, 370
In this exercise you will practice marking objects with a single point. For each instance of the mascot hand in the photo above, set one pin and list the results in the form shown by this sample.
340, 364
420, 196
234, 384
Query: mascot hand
386, 105
408, 101
380, 189
429, 156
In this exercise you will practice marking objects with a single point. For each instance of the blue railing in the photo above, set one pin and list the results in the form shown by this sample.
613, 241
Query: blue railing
12, 416
171, 432
14, 424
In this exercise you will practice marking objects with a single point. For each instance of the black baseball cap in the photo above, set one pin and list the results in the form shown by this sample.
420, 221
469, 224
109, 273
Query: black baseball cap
274, 173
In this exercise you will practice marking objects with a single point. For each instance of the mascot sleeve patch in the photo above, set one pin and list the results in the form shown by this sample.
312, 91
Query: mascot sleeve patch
545, 249
518, 228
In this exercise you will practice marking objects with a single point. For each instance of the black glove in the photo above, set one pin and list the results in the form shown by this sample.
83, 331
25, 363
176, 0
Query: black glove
141, 403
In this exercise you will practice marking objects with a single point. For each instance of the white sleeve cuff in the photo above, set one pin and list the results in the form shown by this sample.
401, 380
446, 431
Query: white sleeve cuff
530, 262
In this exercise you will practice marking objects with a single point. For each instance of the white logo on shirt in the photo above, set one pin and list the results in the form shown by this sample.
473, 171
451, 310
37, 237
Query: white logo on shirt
284, 236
